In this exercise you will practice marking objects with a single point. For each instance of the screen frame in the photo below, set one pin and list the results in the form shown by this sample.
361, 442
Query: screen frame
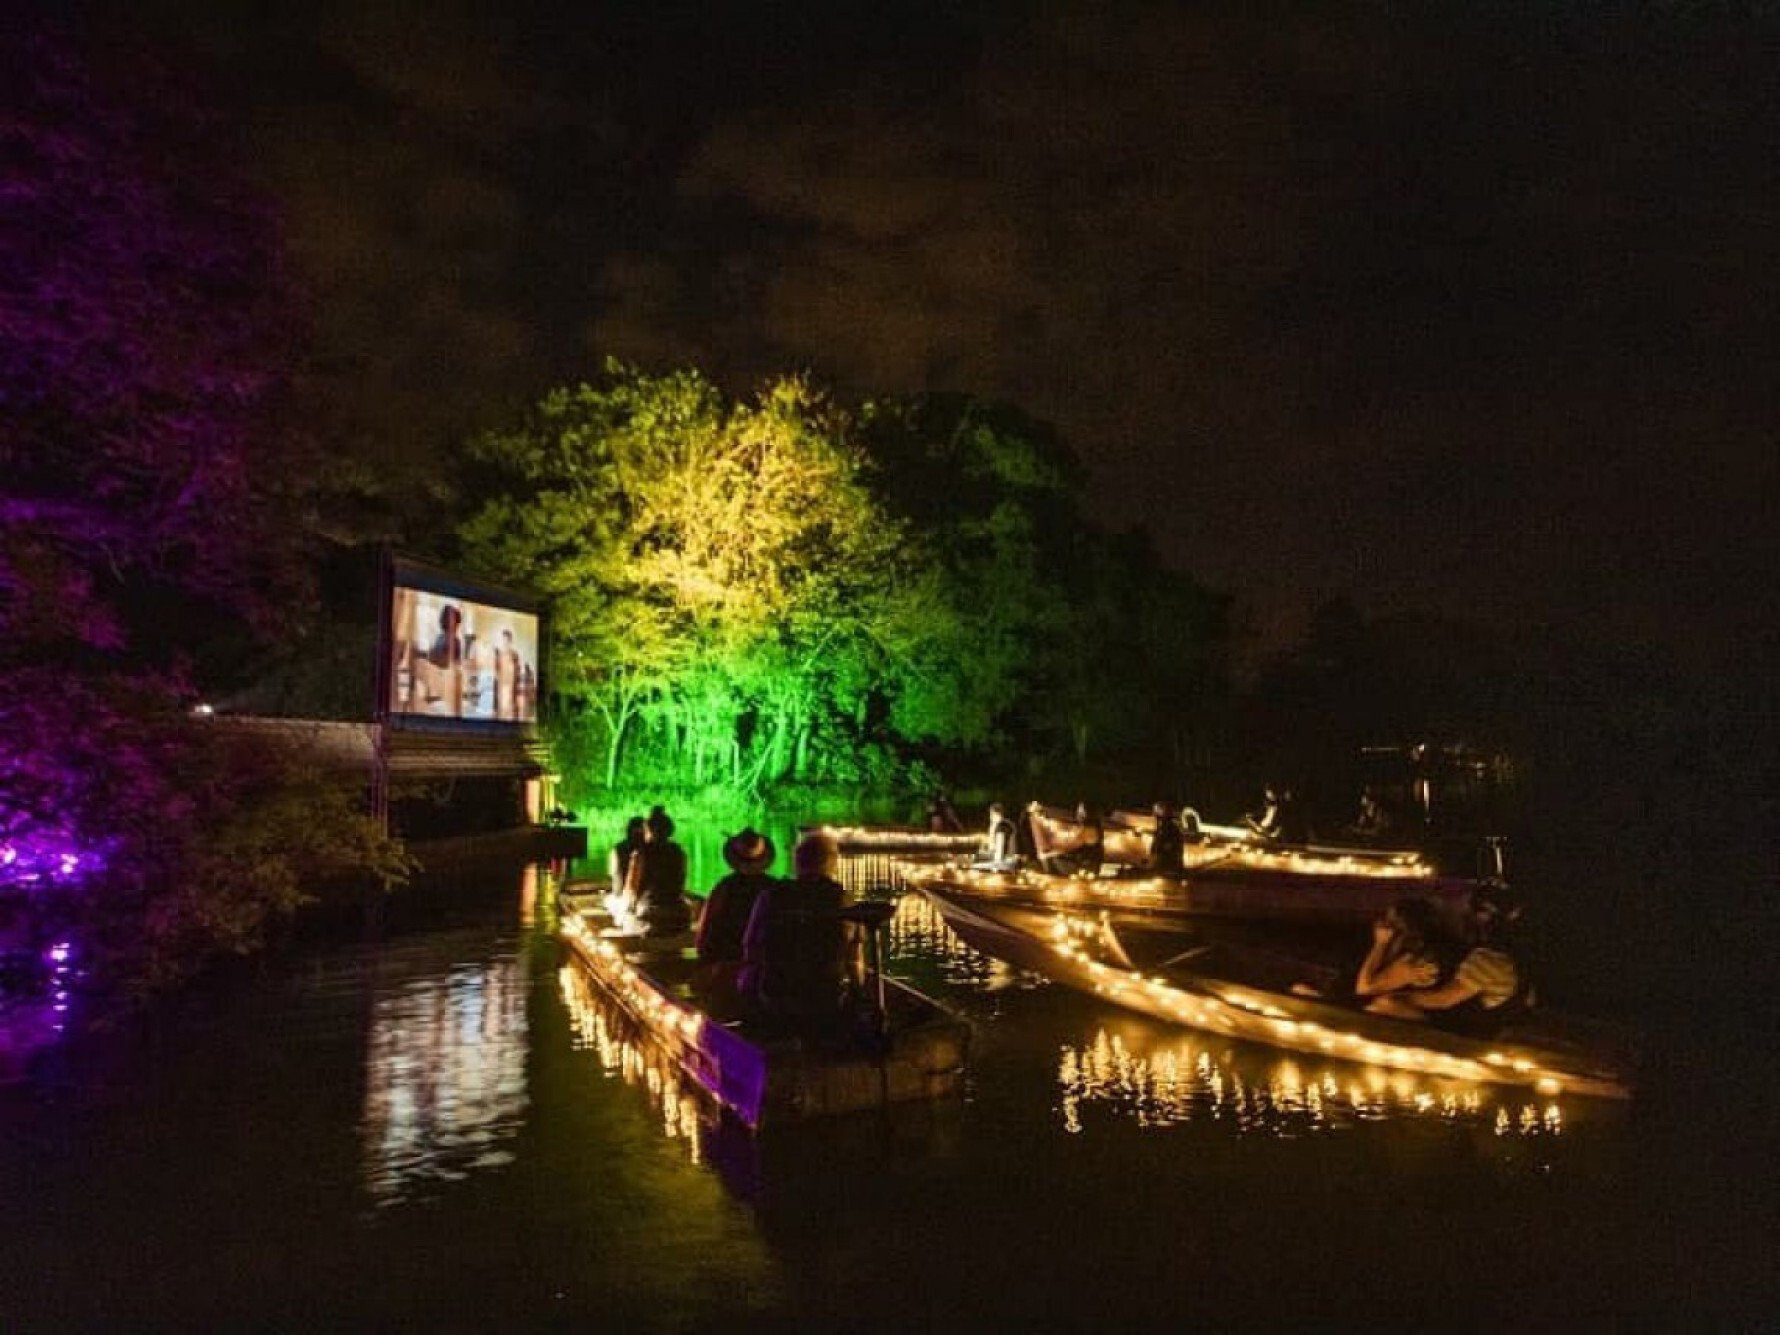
405, 574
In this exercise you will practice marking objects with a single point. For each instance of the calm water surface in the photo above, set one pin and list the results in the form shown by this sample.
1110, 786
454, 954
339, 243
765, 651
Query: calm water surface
439, 1129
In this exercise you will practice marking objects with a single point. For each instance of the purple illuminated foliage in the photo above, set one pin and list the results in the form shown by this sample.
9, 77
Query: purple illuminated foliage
144, 342
145, 472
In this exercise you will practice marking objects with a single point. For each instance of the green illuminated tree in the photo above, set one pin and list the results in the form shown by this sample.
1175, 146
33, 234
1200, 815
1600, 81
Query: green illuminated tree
718, 576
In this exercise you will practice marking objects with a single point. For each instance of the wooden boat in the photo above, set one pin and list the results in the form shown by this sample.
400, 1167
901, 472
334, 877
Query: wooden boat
1261, 898
1204, 988
1233, 850
913, 1048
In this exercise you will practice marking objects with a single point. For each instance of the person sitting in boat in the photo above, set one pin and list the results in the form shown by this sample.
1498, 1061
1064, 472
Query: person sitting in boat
618, 861
1409, 951
1406, 951
725, 915
1486, 990
1168, 850
1085, 855
655, 882
1266, 824
1001, 847
1374, 821
801, 960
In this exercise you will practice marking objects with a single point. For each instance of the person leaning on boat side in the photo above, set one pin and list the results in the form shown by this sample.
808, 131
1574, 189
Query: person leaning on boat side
725, 915
1407, 953
800, 958
1486, 990
656, 881
1168, 849
618, 861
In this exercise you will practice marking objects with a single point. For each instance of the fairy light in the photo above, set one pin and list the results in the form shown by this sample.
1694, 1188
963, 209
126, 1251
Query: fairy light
1207, 1006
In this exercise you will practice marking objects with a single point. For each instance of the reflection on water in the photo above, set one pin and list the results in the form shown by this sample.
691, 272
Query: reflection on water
625, 1053
1172, 1081
445, 1090
1156, 1076
918, 936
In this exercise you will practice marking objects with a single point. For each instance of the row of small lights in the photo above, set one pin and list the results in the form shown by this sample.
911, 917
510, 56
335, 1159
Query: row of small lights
661, 1013
678, 1107
1108, 1065
1234, 846
1252, 1020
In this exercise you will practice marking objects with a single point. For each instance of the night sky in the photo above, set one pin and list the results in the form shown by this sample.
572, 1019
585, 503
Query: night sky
1465, 309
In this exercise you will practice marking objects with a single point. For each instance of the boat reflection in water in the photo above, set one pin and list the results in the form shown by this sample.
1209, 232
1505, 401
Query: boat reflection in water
600, 1026
1119, 1069
445, 1086
1167, 1083
1158, 1076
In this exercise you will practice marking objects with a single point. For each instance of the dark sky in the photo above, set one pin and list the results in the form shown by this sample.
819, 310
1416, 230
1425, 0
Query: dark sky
1457, 308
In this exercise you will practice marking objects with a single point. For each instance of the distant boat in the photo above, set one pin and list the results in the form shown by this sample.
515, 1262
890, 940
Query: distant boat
913, 1048
1223, 850
856, 839
1257, 896
1220, 991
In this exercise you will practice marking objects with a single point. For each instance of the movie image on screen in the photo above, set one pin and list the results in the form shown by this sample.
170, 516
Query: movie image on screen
457, 658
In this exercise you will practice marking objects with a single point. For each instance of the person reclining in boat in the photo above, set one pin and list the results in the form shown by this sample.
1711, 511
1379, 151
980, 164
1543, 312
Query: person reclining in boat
801, 960
1486, 990
1168, 848
1408, 947
655, 883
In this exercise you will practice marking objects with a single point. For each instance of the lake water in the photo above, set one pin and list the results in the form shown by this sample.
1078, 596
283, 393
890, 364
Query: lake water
435, 1129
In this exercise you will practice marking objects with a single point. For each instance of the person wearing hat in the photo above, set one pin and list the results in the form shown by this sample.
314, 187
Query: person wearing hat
655, 884
798, 954
749, 855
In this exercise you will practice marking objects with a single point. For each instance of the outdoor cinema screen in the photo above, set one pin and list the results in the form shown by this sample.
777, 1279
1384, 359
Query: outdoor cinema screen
459, 651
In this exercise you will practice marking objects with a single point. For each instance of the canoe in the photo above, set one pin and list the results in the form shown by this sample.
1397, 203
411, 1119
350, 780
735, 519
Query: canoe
913, 1049
1202, 988
1308, 900
1225, 851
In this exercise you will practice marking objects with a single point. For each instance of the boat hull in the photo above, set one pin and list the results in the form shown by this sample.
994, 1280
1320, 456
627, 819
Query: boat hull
1080, 951
764, 1079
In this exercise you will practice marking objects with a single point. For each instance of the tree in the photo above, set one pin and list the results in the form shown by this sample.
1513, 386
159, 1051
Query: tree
719, 579
147, 481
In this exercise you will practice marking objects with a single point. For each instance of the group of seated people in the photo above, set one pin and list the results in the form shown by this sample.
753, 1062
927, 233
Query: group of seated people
1419, 967
777, 950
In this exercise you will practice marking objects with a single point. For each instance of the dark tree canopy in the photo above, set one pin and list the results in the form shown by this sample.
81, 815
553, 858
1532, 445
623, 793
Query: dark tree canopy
146, 338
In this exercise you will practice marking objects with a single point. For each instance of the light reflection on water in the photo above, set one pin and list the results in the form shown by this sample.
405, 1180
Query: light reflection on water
1153, 1076
530, 1165
1125, 1071
445, 1088
1169, 1082
602, 1028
